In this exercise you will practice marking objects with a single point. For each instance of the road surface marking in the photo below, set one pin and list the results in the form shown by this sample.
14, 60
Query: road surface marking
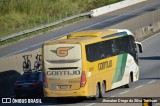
91, 104
123, 92
112, 96
82, 29
151, 81
37, 44
138, 87
150, 37
15, 52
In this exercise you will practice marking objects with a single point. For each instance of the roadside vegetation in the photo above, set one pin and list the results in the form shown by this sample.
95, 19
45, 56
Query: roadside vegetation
19, 15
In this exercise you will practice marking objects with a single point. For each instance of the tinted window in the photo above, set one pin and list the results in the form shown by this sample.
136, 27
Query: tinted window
92, 52
99, 50
124, 45
106, 49
110, 48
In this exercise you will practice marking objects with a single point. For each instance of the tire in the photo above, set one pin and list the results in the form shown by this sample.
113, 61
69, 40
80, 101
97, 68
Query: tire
127, 85
97, 93
103, 90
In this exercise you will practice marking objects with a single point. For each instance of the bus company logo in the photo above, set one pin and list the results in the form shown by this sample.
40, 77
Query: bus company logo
62, 51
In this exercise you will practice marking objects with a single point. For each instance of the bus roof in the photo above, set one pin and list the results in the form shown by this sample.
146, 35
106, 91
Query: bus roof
91, 33
89, 36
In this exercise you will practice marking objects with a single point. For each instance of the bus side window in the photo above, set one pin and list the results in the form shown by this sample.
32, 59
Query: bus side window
93, 52
124, 44
115, 47
120, 45
108, 48
88, 53
102, 50
127, 46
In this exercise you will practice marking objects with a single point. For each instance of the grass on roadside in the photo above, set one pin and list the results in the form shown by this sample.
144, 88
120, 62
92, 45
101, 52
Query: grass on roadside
19, 15
15, 39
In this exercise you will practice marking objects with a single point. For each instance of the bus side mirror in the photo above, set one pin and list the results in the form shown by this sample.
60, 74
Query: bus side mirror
140, 47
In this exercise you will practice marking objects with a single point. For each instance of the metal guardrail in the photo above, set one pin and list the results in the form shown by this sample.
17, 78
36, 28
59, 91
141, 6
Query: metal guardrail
44, 26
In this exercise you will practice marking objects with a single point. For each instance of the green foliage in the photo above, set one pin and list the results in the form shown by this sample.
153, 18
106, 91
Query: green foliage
17, 15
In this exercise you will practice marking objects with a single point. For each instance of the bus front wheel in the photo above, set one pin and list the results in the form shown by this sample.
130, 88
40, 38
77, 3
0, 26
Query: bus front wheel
130, 80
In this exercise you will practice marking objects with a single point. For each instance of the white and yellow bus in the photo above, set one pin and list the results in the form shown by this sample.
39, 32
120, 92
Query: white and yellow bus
88, 63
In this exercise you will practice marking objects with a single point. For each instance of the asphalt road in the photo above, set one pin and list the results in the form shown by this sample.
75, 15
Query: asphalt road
93, 23
147, 86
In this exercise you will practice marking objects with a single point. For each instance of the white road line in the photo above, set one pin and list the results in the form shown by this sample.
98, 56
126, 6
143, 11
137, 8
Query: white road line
124, 92
149, 37
91, 104
36, 44
29, 47
138, 87
16, 52
151, 81
112, 96
81, 29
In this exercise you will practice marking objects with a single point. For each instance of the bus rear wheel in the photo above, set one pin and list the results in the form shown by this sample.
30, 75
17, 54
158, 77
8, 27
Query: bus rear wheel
97, 93
103, 90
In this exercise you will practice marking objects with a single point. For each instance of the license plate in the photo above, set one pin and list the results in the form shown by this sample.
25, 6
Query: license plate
63, 87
